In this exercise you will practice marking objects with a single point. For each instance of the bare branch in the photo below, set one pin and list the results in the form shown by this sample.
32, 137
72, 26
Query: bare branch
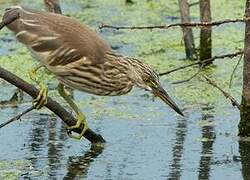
167, 26
17, 117
226, 94
190, 78
51, 105
194, 4
203, 62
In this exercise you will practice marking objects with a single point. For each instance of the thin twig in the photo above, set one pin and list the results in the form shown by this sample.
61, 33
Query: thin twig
190, 78
17, 117
231, 77
202, 62
167, 26
226, 94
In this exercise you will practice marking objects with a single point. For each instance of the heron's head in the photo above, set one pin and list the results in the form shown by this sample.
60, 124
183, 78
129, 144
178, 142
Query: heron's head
146, 78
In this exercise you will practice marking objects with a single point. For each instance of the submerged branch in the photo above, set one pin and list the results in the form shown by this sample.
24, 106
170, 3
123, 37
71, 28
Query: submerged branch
17, 117
51, 105
203, 62
167, 26
226, 94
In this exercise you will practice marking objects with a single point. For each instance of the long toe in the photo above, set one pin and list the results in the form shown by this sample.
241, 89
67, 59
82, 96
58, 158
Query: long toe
81, 122
41, 99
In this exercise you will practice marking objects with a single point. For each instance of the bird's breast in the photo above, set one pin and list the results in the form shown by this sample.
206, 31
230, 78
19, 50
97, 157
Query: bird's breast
94, 79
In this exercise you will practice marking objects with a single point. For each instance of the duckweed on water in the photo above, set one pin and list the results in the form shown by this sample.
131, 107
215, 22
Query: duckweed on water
141, 150
13, 169
162, 49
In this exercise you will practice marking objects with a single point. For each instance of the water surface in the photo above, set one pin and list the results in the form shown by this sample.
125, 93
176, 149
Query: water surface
145, 139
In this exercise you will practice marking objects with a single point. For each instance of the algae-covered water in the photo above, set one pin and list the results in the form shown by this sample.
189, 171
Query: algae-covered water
145, 139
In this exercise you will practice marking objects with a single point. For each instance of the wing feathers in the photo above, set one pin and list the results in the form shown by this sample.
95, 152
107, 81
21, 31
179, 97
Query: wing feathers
56, 39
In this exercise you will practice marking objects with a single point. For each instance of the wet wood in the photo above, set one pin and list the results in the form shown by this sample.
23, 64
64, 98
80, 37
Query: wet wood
226, 94
206, 32
244, 158
167, 26
52, 105
244, 125
187, 31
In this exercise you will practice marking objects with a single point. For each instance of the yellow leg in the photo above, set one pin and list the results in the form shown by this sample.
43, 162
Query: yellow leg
33, 72
81, 119
41, 99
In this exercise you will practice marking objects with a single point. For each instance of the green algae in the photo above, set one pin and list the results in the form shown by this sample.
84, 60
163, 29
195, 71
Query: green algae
14, 169
162, 49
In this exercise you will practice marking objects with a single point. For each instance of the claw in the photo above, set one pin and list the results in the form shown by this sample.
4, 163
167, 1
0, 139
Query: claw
41, 99
81, 120
32, 73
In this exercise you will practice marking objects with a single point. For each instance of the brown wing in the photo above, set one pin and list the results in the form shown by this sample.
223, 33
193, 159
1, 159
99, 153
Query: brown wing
56, 39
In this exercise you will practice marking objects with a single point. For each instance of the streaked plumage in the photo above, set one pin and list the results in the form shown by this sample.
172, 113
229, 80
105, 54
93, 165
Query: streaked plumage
79, 58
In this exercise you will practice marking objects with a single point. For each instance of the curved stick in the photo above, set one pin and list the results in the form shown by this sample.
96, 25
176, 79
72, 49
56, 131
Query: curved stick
226, 94
51, 105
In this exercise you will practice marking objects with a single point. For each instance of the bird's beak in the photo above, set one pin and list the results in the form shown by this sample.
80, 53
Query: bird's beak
161, 93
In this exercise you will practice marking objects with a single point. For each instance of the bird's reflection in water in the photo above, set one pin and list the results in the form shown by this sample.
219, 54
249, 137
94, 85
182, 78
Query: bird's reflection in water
78, 165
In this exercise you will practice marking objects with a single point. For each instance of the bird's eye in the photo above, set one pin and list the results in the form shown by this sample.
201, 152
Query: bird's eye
147, 81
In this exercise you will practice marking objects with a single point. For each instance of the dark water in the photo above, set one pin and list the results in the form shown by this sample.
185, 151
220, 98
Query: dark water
145, 140
161, 145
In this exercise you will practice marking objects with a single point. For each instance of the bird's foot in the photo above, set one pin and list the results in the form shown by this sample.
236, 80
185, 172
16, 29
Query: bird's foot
42, 97
81, 121
33, 73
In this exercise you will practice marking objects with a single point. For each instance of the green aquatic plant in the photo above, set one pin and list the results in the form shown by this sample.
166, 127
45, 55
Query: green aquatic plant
162, 49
